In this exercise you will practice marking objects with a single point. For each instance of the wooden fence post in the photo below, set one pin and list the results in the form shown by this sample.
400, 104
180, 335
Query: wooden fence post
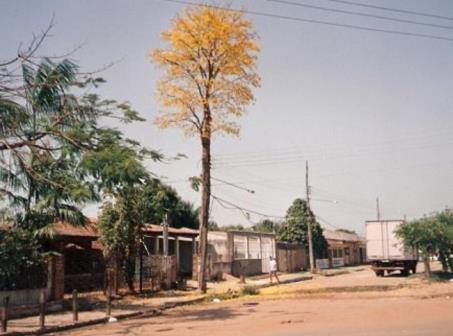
75, 306
42, 308
4, 314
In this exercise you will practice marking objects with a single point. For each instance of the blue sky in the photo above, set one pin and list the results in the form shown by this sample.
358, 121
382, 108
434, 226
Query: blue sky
372, 112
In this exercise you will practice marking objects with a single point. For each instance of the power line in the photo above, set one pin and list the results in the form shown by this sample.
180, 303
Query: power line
233, 206
380, 17
326, 222
397, 10
328, 23
233, 185
288, 151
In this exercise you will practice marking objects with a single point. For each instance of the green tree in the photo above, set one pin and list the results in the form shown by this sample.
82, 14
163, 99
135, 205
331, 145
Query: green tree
46, 129
161, 199
120, 225
430, 235
55, 153
21, 260
294, 228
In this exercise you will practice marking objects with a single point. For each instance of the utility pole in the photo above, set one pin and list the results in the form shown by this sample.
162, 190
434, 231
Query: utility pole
378, 210
309, 221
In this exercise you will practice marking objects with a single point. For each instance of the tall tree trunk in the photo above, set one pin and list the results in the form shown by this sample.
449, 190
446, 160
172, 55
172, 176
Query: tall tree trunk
204, 215
427, 266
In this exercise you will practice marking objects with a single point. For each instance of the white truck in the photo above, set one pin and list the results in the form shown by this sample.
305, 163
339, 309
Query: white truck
385, 252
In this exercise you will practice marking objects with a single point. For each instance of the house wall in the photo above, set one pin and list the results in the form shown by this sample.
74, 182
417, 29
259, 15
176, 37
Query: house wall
348, 251
291, 257
229, 252
247, 267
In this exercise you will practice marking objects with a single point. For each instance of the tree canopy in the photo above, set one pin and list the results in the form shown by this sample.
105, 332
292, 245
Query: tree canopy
209, 65
431, 235
294, 228
49, 131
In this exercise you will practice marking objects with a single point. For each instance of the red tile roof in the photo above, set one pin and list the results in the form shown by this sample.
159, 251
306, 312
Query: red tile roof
89, 230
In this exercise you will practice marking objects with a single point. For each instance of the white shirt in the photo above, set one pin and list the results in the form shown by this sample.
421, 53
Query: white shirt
273, 265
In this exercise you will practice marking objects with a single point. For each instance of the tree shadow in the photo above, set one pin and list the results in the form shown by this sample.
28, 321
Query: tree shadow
128, 327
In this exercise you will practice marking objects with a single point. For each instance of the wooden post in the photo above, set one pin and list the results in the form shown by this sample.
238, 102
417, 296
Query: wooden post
4, 314
156, 245
109, 293
42, 308
75, 306
177, 254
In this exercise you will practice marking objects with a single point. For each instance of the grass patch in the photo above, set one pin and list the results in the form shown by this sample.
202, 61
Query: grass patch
249, 290
233, 294
442, 276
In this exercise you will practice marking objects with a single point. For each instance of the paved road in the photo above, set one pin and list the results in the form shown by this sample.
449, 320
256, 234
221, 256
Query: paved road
264, 317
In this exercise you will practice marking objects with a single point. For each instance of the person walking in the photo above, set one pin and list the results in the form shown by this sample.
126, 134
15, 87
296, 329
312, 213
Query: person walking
273, 269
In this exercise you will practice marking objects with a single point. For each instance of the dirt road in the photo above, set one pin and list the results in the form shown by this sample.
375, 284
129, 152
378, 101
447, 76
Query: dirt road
358, 303
264, 317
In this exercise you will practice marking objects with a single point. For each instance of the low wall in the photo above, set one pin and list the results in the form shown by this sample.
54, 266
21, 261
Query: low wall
250, 267
160, 268
23, 297
322, 263
291, 257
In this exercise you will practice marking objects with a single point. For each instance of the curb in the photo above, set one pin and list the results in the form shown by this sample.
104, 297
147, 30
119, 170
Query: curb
142, 313
283, 282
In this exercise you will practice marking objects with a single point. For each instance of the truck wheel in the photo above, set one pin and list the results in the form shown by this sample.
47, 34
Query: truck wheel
405, 272
379, 273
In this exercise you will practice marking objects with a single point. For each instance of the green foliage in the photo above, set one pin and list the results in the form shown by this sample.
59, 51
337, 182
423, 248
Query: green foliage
266, 225
431, 235
138, 200
52, 146
22, 265
120, 226
213, 226
249, 290
55, 156
294, 228
232, 227
160, 200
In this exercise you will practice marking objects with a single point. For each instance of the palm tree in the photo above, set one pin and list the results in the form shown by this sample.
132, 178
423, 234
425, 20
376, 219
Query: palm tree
39, 145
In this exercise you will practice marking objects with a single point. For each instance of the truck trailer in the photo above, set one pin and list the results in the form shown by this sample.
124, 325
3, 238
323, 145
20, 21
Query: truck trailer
385, 251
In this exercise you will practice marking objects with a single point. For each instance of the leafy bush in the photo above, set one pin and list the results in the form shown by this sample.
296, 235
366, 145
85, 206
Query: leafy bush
21, 263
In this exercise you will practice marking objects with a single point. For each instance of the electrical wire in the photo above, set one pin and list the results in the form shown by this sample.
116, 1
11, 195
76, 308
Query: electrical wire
396, 10
321, 22
380, 17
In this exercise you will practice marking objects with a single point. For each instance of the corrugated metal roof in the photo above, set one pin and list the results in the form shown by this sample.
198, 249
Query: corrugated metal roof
153, 228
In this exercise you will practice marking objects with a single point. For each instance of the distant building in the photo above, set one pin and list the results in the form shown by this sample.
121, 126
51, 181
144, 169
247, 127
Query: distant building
345, 249
238, 253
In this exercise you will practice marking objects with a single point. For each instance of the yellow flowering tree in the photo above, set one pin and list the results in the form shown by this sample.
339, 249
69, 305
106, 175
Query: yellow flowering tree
209, 65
